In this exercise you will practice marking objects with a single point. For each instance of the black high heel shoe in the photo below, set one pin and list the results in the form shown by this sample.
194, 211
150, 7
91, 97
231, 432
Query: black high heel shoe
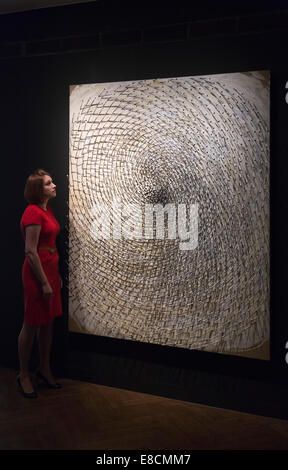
26, 395
40, 376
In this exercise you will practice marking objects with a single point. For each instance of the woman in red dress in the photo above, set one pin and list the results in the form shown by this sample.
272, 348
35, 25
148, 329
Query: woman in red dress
41, 279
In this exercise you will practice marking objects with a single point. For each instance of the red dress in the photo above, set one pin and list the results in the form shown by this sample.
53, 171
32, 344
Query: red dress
38, 310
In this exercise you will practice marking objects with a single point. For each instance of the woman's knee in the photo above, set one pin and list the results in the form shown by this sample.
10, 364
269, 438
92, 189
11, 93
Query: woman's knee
28, 330
45, 328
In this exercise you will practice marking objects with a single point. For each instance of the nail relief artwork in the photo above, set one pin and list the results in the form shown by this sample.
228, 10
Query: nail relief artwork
169, 211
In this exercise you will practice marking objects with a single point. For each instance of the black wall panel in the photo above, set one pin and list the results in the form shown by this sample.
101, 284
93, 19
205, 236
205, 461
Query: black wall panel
34, 97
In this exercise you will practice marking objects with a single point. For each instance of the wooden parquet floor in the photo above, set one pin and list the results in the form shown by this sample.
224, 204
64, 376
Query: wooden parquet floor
85, 416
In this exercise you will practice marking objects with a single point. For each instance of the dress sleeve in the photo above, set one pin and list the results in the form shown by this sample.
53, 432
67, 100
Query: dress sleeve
31, 216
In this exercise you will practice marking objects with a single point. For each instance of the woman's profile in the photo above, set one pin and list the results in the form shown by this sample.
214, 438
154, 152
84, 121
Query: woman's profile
42, 282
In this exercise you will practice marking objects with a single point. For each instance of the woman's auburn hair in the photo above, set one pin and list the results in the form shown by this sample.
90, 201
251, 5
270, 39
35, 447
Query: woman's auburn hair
33, 191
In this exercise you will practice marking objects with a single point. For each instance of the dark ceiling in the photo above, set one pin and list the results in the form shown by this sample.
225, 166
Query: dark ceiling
12, 6
24, 20
241, 7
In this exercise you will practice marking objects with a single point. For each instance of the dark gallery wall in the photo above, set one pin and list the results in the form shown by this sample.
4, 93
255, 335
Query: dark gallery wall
42, 52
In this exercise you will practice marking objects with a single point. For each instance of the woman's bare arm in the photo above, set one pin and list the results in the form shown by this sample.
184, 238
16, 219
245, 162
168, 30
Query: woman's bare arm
31, 243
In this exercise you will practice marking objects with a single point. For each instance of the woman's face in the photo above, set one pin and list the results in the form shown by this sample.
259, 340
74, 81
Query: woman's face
49, 187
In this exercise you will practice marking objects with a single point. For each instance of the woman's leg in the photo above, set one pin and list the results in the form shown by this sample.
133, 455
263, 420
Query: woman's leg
45, 336
25, 344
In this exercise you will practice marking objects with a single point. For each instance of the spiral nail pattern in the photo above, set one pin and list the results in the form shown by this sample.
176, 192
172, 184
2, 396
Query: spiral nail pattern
188, 140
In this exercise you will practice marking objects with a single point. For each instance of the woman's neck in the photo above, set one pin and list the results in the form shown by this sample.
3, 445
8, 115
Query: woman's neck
43, 205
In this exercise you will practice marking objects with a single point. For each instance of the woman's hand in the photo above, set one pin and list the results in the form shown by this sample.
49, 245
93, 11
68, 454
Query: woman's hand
47, 290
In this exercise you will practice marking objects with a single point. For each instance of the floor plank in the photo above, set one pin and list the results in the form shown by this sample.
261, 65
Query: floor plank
85, 416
